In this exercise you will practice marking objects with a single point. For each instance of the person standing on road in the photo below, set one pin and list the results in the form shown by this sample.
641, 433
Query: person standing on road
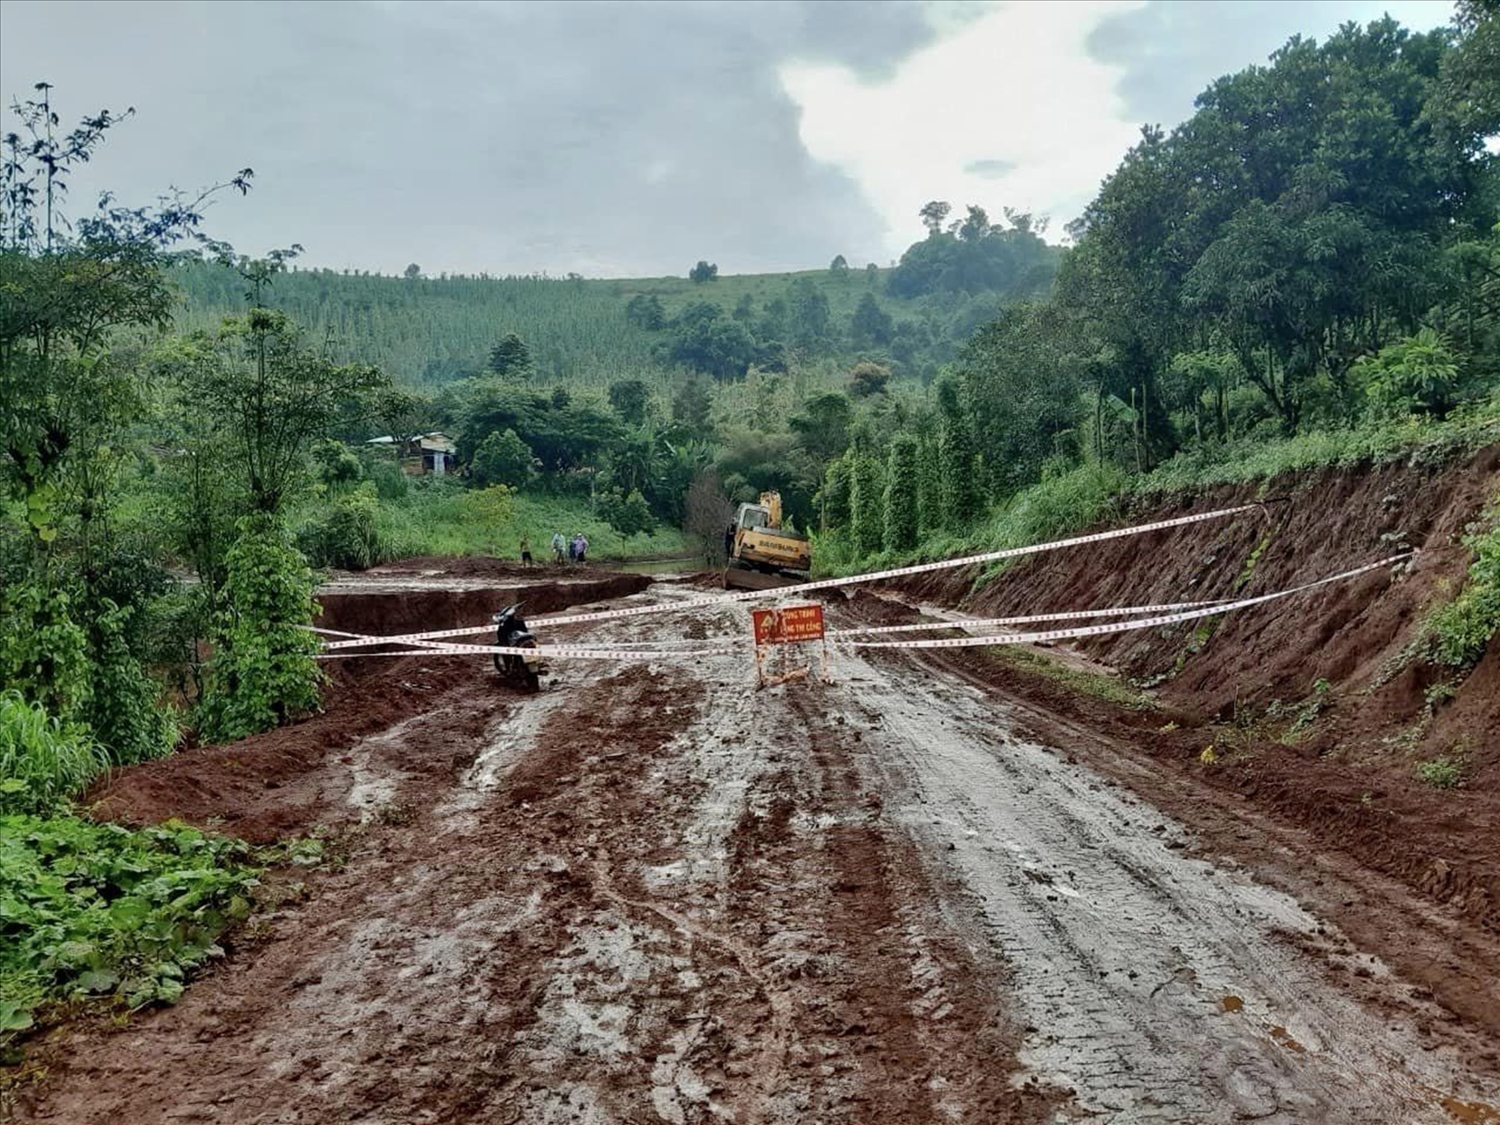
559, 548
582, 545
526, 550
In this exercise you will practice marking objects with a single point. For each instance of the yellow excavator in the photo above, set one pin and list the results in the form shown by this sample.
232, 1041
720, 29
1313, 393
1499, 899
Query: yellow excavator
761, 554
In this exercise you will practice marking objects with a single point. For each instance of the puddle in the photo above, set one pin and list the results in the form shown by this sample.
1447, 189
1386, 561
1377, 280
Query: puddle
1470, 1113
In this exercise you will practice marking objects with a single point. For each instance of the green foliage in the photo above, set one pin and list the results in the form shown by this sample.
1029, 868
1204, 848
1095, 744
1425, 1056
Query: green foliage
441, 519
124, 709
975, 255
866, 379
962, 502
97, 911
44, 654
272, 396
629, 515
867, 502
510, 358
703, 271
1461, 630
42, 761
645, 310
501, 458
902, 516
345, 535
1442, 772
337, 467
631, 399
1418, 375
262, 672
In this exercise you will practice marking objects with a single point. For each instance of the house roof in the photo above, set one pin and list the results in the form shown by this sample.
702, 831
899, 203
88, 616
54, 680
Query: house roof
434, 442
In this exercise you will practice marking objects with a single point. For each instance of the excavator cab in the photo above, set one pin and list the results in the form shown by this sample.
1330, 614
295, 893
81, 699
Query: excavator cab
762, 554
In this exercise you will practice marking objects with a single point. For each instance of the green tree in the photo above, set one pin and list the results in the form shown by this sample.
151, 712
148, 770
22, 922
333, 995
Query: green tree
867, 379
867, 502
870, 326
262, 672
704, 271
961, 497
692, 408
631, 398
645, 310
902, 511
501, 458
273, 395
629, 514
1418, 375
511, 358
839, 268
809, 316
823, 425
412, 272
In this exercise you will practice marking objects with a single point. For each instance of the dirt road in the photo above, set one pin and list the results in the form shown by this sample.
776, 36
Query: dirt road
653, 894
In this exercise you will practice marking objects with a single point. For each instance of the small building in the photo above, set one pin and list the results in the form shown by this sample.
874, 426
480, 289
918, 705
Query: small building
422, 455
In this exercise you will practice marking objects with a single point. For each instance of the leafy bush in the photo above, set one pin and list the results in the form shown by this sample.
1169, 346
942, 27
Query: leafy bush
629, 515
262, 672
346, 535
501, 458
124, 711
98, 910
1462, 629
1418, 375
42, 761
389, 481
1442, 772
43, 653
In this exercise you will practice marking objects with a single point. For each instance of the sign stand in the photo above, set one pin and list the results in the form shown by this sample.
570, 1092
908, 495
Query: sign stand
793, 624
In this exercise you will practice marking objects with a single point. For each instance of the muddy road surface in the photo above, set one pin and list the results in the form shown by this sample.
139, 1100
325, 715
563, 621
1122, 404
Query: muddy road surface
654, 894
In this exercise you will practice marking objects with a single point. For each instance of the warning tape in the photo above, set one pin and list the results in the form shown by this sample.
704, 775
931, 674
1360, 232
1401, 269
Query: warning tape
991, 622
560, 651
1126, 626
1211, 609
802, 588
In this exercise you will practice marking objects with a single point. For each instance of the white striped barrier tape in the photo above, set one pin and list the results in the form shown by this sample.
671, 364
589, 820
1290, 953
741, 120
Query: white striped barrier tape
957, 623
1126, 626
993, 622
802, 588
1211, 609
570, 652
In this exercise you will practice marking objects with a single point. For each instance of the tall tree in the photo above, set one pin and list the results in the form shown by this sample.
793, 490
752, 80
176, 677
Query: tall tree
511, 358
902, 512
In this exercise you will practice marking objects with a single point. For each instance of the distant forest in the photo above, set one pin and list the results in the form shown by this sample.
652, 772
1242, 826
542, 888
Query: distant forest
426, 332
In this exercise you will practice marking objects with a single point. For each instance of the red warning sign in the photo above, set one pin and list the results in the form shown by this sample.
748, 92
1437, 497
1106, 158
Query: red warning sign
788, 625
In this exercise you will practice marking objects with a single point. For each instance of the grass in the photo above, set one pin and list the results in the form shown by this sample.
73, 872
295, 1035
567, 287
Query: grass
42, 762
437, 519
1460, 631
1111, 689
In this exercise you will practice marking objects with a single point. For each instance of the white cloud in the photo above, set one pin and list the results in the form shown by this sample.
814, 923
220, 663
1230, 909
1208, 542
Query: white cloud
1008, 110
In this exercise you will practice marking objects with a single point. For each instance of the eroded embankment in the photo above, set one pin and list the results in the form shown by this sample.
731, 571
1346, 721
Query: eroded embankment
1336, 761
286, 781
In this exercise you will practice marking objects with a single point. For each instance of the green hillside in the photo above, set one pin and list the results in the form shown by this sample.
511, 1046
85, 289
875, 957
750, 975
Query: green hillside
425, 332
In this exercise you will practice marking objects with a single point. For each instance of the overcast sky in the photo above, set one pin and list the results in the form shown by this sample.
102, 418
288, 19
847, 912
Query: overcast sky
628, 139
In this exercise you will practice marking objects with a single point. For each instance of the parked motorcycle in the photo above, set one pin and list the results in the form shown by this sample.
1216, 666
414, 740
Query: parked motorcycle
510, 632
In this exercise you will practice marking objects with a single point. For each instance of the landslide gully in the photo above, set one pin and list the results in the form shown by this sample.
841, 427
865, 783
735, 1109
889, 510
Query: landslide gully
1346, 782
